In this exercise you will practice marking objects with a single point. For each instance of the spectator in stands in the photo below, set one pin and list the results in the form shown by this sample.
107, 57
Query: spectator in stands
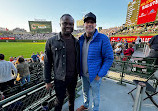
34, 57
15, 58
122, 41
23, 70
128, 52
118, 50
38, 57
42, 57
96, 59
29, 61
112, 44
137, 42
11, 59
62, 56
125, 44
153, 44
6, 76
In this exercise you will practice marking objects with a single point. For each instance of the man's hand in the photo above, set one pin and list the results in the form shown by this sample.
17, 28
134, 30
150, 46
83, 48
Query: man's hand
97, 78
48, 86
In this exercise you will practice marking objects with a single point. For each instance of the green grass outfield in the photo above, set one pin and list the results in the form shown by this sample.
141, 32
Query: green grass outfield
16, 49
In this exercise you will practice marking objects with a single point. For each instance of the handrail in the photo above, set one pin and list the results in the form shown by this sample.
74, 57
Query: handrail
139, 96
25, 92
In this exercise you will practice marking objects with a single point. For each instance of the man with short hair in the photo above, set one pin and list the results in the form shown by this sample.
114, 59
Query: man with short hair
137, 42
96, 57
34, 57
6, 76
62, 58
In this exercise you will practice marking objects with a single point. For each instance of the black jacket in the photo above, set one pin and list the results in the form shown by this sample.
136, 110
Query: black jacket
55, 59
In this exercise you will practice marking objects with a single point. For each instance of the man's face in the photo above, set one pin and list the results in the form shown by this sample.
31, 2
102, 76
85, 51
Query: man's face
89, 26
67, 25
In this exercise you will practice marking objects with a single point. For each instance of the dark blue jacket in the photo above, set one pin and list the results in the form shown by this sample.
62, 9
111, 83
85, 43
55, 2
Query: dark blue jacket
100, 55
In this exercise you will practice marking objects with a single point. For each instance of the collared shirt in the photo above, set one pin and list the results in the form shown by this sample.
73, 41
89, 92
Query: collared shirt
6, 71
85, 55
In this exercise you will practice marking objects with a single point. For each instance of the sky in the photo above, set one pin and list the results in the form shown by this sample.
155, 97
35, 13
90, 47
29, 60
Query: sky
17, 13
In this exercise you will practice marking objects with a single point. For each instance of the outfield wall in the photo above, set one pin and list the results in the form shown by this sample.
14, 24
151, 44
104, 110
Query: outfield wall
22, 40
131, 38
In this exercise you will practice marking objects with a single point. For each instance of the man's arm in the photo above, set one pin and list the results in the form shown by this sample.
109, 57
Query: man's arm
151, 41
48, 65
107, 56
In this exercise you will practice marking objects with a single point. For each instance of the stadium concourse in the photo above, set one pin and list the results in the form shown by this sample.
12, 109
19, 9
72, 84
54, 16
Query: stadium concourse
114, 97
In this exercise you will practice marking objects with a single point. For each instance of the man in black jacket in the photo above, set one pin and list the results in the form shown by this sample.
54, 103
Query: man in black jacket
153, 44
62, 58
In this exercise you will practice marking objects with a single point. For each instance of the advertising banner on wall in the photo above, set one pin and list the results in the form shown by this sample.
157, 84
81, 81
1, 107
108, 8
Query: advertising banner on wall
148, 11
131, 38
7, 38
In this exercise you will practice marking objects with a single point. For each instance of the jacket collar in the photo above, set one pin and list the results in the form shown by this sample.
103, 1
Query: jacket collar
60, 38
94, 35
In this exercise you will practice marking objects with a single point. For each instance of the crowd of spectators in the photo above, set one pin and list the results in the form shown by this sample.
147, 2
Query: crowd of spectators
16, 69
122, 49
145, 29
28, 36
111, 31
133, 30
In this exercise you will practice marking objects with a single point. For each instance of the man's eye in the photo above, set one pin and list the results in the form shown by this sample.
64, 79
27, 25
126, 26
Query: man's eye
64, 23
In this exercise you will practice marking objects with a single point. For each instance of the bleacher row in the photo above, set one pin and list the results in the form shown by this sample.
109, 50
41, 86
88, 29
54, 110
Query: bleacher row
32, 95
36, 76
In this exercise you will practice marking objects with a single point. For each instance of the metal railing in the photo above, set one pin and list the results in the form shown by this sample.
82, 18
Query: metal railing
139, 96
31, 99
135, 68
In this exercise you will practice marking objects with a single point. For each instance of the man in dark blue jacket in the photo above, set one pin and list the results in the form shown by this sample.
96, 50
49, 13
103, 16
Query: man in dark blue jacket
96, 57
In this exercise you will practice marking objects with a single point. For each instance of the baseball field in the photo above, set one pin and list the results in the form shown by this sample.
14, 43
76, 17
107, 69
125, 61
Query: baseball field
24, 49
